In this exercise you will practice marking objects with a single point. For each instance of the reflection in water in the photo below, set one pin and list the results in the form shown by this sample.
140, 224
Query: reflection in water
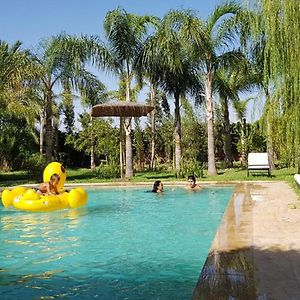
227, 275
40, 236
42, 244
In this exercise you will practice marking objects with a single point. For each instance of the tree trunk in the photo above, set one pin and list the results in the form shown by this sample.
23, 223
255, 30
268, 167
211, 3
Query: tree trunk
244, 142
55, 138
49, 127
153, 113
128, 155
42, 127
121, 147
93, 164
177, 134
210, 125
227, 136
127, 126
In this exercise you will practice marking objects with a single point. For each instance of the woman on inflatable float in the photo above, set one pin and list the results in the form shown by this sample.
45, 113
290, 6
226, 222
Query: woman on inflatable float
42, 201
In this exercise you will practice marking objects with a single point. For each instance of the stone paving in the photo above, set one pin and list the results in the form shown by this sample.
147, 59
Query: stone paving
256, 252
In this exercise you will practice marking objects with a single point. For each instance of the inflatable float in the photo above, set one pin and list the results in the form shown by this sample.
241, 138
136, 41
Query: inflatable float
29, 199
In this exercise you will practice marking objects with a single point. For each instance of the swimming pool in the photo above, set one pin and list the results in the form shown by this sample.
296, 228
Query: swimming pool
126, 244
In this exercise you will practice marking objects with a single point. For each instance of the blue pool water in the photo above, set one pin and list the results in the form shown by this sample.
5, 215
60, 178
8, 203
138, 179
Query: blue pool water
126, 244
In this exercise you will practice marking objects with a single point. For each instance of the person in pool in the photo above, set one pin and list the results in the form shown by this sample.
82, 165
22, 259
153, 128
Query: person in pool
192, 186
158, 187
49, 188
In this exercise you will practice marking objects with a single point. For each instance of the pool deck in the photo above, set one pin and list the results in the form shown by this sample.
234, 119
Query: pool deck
256, 251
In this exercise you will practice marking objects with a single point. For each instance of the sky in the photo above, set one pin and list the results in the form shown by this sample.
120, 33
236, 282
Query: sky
31, 21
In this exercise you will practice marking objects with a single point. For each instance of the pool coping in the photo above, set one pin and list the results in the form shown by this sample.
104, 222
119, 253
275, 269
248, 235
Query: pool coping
256, 251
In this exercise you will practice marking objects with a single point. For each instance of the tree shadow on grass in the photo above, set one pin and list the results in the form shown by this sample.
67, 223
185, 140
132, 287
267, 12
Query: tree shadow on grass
250, 273
83, 175
261, 175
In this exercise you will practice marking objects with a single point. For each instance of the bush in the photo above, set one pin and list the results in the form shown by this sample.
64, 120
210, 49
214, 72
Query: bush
34, 165
107, 171
191, 167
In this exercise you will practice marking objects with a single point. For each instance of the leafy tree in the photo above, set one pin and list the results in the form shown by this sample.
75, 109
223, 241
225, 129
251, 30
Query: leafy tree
67, 109
105, 138
241, 109
17, 141
279, 22
139, 144
19, 104
93, 92
194, 140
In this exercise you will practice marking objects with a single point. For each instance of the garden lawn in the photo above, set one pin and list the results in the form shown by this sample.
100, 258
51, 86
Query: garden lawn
87, 176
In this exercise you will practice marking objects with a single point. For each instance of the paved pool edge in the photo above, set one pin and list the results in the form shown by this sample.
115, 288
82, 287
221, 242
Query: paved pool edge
256, 251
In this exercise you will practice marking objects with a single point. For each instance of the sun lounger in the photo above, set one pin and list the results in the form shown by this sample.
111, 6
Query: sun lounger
258, 162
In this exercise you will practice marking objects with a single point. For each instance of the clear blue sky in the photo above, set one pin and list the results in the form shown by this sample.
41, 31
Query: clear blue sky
31, 21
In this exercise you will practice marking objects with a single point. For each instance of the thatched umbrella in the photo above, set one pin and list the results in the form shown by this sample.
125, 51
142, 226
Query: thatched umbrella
121, 109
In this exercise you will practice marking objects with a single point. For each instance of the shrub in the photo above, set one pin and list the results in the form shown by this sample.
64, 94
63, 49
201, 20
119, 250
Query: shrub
34, 165
106, 171
191, 167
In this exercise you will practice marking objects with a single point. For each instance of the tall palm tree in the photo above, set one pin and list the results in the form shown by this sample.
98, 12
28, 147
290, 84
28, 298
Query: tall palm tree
213, 47
60, 66
168, 65
125, 35
149, 67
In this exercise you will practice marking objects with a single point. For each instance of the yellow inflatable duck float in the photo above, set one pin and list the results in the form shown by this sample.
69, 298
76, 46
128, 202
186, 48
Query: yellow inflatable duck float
30, 200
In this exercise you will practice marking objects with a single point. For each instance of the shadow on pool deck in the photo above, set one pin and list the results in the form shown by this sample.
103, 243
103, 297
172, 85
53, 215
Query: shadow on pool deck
250, 273
256, 251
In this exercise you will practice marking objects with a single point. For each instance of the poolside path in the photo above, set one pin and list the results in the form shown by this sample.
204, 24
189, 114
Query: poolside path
256, 252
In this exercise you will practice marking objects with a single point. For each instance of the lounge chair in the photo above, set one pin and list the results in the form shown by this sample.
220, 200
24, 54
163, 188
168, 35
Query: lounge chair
258, 162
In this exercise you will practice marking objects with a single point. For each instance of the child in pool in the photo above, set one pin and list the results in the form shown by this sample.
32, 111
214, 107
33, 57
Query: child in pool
158, 187
192, 186
49, 188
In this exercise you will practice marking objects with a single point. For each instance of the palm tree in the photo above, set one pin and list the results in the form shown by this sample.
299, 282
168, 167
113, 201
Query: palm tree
92, 92
59, 65
18, 77
213, 48
229, 83
168, 65
149, 67
125, 34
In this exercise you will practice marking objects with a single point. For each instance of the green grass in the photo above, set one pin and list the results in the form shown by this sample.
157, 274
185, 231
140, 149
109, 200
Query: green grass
225, 175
